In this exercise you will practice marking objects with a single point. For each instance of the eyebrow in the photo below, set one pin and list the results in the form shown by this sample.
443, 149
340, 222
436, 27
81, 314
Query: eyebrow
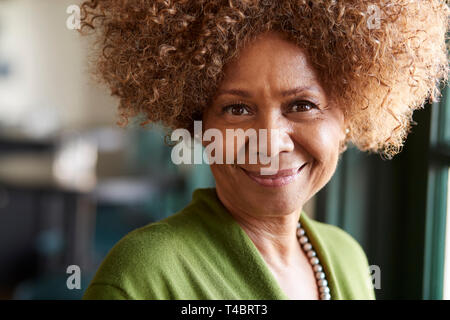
285, 93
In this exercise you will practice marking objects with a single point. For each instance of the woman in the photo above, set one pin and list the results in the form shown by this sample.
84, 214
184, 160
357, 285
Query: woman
320, 74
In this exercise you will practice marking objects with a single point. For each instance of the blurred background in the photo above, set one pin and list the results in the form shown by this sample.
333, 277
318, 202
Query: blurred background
72, 183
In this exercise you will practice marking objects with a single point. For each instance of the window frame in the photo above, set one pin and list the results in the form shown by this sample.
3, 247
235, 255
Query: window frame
437, 192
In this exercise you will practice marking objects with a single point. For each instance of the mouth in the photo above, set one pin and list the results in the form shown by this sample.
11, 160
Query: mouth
281, 178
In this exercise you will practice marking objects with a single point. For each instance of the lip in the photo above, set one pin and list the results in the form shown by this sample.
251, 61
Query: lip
281, 178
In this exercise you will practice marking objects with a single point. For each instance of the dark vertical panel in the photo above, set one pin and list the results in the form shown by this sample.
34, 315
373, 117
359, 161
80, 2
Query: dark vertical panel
382, 204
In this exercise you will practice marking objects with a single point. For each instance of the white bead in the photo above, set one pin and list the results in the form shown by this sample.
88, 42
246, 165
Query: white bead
317, 268
325, 296
300, 232
324, 290
320, 275
299, 225
314, 260
307, 246
303, 239
311, 253
322, 283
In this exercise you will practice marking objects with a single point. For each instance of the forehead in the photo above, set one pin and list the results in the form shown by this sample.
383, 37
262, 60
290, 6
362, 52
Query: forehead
271, 60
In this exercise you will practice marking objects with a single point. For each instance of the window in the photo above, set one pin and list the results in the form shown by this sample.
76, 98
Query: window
437, 255
397, 209
446, 293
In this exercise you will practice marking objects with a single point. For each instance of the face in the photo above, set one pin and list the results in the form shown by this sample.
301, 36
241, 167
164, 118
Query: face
272, 86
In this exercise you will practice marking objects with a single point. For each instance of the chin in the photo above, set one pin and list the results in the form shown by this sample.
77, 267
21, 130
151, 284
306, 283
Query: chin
281, 201
245, 193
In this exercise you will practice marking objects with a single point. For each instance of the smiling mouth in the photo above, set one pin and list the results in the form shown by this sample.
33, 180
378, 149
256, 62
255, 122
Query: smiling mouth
281, 178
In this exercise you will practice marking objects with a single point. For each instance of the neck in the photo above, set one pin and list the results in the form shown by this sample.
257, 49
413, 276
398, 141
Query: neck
274, 236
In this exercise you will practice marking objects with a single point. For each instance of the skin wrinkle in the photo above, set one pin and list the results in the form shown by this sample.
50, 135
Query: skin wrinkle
269, 215
399, 63
404, 56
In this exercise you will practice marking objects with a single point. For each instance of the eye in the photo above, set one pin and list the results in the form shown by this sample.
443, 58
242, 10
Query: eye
238, 109
302, 106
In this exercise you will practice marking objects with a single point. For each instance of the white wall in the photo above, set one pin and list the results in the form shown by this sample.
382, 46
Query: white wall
49, 86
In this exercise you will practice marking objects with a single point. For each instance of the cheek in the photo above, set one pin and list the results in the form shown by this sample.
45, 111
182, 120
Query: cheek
218, 171
232, 144
226, 177
224, 149
321, 141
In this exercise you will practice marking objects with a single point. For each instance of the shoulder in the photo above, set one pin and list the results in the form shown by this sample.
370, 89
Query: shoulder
133, 268
163, 239
144, 261
143, 243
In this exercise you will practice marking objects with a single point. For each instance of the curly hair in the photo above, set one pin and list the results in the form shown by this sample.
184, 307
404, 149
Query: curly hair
379, 60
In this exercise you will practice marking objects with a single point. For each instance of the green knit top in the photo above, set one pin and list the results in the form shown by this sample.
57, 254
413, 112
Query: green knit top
201, 252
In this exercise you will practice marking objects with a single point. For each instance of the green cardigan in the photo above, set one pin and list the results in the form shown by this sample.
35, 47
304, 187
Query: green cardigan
201, 252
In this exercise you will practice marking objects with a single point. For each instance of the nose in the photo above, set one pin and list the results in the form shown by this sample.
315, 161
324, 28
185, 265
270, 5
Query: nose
274, 135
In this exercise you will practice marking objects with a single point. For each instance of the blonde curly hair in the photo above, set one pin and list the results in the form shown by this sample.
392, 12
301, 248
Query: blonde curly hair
379, 60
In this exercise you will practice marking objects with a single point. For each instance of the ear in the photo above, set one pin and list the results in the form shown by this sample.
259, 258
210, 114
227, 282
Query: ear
344, 142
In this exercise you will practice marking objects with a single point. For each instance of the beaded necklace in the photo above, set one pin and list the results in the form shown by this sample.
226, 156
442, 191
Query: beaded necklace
322, 282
